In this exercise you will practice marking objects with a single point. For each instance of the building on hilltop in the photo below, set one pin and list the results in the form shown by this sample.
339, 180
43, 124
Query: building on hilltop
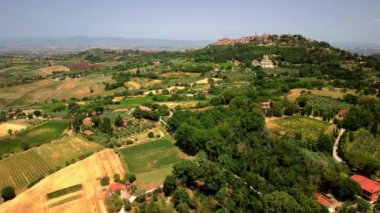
266, 62
371, 189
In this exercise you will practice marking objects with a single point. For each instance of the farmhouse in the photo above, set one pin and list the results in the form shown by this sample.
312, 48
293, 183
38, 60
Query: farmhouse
88, 132
371, 189
324, 201
267, 105
114, 187
87, 121
341, 114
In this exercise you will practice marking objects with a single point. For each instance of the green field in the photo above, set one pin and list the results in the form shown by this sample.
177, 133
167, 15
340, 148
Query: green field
151, 161
35, 136
23, 168
136, 101
309, 128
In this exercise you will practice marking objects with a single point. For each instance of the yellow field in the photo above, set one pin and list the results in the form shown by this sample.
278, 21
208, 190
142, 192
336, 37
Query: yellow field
15, 127
184, 104
205, 81
137, 83
86, 172
327, 92
50, 69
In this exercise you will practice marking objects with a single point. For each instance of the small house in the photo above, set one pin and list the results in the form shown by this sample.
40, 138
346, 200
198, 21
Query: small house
267, 105
341, 113
324, 201
87, 122
371, 188
88, 132
116, 187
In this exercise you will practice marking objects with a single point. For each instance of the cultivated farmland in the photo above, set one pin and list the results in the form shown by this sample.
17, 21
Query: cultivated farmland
150, 161
86, 172
21, 169
290, 126
35, 136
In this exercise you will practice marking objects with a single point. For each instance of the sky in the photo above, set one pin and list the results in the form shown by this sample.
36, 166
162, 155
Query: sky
356, 21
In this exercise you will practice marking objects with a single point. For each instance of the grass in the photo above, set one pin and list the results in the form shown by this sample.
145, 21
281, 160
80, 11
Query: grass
136, 101
35, 136
151, 162
64, 191
310, 128
27, 167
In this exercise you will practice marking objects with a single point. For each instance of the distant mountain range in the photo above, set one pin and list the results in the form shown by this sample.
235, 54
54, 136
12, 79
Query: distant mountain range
68, 44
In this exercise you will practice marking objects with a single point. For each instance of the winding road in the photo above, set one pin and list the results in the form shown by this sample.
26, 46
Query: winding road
336, 145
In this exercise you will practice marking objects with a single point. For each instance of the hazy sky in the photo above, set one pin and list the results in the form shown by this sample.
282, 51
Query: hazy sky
329, 20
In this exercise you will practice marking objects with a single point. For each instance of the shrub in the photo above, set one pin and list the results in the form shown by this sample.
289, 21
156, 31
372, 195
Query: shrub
105, 181
8, 193
150, 135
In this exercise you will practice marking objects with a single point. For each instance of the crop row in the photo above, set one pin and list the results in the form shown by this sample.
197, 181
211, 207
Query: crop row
21, 169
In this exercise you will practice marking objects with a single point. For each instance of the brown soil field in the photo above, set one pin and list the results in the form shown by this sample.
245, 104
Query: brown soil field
205, 81
176, 74
50, 69
86, 172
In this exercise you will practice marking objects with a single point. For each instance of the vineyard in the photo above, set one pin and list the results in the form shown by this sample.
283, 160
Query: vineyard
21, 169
290, 126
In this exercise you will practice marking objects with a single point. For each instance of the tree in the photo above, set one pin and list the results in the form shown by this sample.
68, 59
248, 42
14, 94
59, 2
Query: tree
279, 201
119, 121
127, 205
114, 203
357, 118
363, 206
252, 121
347, 188
25, 146
277, 110
3, 116
106, 126
325, 143
180, 195
291, 109
132, 178
8, 193
170, 185
116, 177
37, 113
150, 135
105, 181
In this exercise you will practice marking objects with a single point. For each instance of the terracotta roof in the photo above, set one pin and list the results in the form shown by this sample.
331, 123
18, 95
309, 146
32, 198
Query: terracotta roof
87, 121
88, 132
367, 184
323, 200
342, 112
116, 186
